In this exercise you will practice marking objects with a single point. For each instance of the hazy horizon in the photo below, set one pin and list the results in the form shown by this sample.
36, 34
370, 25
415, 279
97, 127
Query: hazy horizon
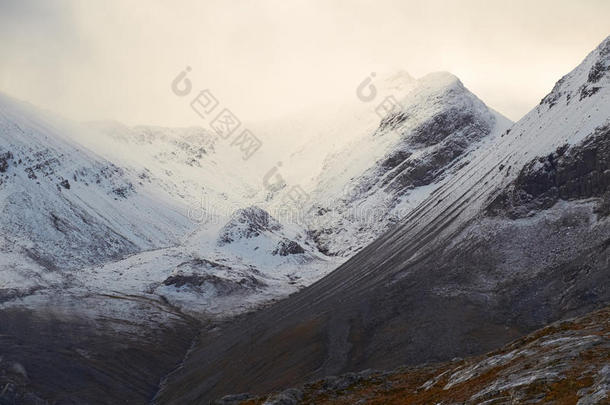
267, 59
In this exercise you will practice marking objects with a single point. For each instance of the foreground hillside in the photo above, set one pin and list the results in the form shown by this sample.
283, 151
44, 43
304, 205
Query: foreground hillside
567, 362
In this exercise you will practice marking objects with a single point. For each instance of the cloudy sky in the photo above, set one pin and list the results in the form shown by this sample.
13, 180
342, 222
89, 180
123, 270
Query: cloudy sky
115, 59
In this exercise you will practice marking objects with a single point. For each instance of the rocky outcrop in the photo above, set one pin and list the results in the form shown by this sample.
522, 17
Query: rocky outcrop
197, 276
247, 223
599, 69
288, 247
5, 158
220, 286
570, 173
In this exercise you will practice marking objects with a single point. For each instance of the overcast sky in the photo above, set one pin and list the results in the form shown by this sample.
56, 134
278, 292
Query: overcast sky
115, 59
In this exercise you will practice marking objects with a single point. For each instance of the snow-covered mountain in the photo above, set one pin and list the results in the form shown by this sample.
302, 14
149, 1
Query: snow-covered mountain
517, 238
64, 207
381, 176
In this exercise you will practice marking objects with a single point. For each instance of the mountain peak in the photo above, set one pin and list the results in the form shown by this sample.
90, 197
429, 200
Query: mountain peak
587, 79
440, 91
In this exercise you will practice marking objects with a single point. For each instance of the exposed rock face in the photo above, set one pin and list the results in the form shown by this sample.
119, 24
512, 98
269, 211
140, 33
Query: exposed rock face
597, 72
247, 223
65, 184
221, 286
255, 229
567, 174
567, 362
194, 276
288, 247
450, 133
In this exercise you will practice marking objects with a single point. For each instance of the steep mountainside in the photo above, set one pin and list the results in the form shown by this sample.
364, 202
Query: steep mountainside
458, 276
